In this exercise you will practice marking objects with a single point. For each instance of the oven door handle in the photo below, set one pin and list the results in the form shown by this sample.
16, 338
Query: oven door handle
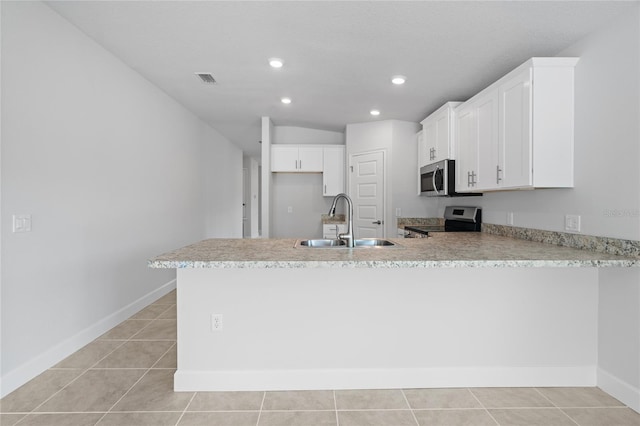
433, 181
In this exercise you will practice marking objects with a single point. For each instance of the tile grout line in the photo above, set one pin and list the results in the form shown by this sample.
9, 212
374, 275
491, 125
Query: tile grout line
79, 375
264, 395
483, 406
186, 408
410, 407
555, 406
335, 406
140, 378
92, 366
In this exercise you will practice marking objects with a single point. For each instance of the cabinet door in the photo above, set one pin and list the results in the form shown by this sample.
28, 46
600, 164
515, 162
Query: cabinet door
331, 231
429, 141
441, 142
423, 152
284, 158
333, 171
310, 159
514, 165
488, 136
467, 146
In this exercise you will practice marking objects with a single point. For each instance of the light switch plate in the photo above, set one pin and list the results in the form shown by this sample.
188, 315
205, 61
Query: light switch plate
21, 223
572, 223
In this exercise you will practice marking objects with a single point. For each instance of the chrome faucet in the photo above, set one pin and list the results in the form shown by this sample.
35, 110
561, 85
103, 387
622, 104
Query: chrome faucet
347, 236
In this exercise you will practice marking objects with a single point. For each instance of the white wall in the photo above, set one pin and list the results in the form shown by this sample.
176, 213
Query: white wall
442, 327
619, 334
398, 139
223, 187
300, 191
606, 193
404, 172
304, 135
607, 145
266, 181
112, 171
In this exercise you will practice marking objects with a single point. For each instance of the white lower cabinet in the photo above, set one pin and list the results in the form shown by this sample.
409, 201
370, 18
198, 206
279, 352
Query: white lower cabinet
331, 231
518, 133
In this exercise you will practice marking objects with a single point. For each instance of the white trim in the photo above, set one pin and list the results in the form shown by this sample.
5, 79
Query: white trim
619, 389
320, 379
30, 369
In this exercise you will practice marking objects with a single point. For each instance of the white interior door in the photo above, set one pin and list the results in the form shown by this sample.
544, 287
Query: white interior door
366, 189
245, 201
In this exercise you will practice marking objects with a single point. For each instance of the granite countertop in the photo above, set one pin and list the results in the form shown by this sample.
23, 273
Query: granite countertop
442, 250
327, 220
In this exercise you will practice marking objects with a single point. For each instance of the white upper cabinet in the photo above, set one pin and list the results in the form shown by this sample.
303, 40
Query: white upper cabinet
296, 158
423, 153
326, 159
333, 170
514, 160
476, 142
437, 135
518, 133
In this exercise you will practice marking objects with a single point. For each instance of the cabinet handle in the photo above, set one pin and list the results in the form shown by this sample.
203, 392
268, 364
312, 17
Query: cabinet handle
498, 170
434, 179
325, 188
300, 164
471, 178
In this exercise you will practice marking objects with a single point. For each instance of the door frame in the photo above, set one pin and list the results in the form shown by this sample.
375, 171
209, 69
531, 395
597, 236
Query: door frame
384, 182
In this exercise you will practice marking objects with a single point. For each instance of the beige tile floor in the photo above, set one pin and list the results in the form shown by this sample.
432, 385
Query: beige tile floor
125, 378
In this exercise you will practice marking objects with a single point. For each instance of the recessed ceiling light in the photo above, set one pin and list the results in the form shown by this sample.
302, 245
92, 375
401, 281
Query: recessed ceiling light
286, 100
374, 112
276, 62
398, 79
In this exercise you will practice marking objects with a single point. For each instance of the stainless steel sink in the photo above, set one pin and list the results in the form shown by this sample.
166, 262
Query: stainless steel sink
320, 243
361, 243
373, 242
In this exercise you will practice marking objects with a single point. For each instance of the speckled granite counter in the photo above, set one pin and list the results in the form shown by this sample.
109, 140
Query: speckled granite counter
327, 220
466, 309
442, 250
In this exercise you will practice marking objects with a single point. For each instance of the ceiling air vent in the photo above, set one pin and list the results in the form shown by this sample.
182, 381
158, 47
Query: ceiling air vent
206, 78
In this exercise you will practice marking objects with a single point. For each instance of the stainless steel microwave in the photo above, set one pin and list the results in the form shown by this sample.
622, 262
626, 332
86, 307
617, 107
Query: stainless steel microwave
438, 180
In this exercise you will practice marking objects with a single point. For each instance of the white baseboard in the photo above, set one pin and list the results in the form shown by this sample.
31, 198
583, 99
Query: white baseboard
619, 389
320, 379
30, 369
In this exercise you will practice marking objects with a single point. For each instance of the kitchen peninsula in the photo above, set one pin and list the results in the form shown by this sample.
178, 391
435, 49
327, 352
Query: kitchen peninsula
455, 309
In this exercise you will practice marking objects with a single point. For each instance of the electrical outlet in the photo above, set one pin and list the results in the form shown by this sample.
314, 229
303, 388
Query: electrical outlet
216, 322
509, 218
572, 223
289, 209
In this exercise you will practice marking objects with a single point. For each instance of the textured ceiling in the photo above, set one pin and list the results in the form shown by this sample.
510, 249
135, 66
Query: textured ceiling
339, 55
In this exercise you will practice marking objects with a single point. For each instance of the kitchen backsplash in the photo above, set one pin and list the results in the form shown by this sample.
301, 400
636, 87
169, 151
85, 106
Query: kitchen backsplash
584, 242
420, 221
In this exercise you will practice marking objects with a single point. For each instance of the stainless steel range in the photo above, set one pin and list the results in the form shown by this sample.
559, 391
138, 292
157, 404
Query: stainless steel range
456, 219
